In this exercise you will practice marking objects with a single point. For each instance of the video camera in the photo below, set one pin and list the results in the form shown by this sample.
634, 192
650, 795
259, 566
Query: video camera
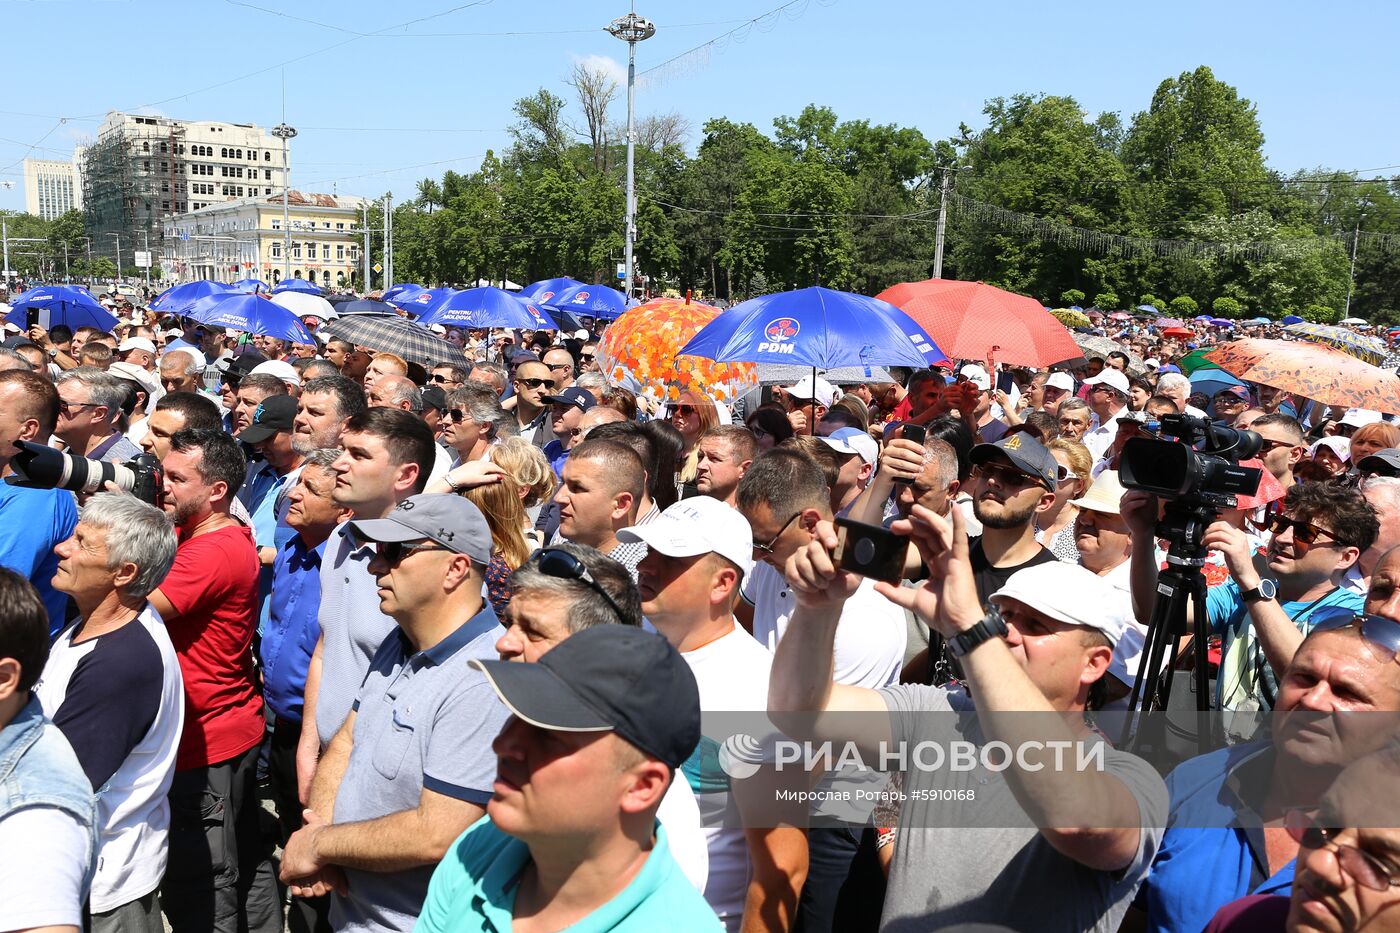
1208, 476
38, 467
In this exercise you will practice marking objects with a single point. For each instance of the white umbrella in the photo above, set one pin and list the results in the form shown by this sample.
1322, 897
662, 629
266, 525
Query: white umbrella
1353, 320
304, 304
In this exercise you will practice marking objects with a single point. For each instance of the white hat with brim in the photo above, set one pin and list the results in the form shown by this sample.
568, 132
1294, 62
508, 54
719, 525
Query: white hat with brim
1106, 495
1066, 593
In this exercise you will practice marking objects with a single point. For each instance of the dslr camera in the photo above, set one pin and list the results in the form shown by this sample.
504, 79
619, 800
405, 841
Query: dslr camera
1202, 470
39, 467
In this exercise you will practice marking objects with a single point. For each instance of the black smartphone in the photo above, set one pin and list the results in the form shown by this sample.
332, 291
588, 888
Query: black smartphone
915, 433
31, 319
870, 551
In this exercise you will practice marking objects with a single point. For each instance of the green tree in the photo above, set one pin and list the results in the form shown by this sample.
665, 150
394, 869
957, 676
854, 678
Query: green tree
1071, 296
1227, 307
1183, 304
1107, 301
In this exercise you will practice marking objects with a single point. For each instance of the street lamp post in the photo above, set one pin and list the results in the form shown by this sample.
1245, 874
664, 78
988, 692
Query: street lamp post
1351, 274
5, 237
631, 29
284, 132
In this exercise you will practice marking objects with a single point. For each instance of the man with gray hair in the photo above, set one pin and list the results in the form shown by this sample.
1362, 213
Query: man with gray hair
400, 392
89, 401
1383, 494
181, 369
1177, 387
113, 686
490, 373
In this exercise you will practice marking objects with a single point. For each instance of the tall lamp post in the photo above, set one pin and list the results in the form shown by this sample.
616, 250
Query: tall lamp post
5, 238
631, 29
284, 132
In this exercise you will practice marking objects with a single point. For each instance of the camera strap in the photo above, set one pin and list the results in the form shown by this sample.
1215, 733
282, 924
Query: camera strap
1261, 680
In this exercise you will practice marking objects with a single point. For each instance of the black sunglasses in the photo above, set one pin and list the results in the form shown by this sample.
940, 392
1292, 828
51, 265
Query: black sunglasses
536, 383
565, 566
395, 551
1304, 533
686, 410
457, 415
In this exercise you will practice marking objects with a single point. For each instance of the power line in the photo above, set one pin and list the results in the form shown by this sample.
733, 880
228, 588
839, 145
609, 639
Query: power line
763, 21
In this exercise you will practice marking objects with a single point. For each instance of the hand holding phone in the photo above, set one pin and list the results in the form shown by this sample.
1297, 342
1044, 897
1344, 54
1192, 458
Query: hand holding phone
870, 551
915, 434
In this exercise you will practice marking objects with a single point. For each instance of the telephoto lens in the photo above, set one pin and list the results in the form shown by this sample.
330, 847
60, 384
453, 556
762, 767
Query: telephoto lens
39, 467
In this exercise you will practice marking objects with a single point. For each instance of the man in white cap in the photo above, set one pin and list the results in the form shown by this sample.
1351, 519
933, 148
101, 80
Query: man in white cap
807, 401
282, 370
1108, 400
990, 427
139, 351
1058, 387
858, 454
698, 552
1042, 645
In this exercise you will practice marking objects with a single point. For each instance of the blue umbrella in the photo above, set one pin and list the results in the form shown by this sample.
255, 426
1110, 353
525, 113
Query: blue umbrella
1222, 322
420, 302
546, 289
252, 314
816, 327
180, 298
405, 289
70, 305
256, 285
597, 301
1291, 319
1260, 320
1211, 381
1202, 317
296, 285
1148, 308
563, 319
487, 306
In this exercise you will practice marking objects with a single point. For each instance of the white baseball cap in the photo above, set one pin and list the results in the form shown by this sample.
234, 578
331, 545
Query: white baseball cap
136, 343
825, 393
133, 373
853, 441
1341, 446
279, 368
1061, 380
1360, 417
698, 525
1112, 378
1067, 593
976, 375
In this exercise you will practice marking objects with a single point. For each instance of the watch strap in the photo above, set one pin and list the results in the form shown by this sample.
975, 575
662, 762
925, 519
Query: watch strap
990, 626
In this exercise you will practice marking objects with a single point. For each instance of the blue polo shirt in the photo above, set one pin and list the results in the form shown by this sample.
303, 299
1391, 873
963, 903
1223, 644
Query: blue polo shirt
1213, 849
32, 523
475, 885
424, 720
291, 632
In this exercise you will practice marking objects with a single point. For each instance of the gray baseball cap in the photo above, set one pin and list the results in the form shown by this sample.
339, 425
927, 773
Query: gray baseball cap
451, 521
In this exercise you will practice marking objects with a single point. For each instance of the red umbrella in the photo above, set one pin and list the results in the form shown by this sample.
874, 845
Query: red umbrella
975, 321
1178, 332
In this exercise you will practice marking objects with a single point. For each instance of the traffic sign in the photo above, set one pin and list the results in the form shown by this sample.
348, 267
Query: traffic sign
377, 268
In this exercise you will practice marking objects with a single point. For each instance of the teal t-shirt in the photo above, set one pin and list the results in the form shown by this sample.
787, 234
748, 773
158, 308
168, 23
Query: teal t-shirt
474, 886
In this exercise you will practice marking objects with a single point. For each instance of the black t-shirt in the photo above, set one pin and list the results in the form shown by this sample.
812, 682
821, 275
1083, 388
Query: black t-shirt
989, 578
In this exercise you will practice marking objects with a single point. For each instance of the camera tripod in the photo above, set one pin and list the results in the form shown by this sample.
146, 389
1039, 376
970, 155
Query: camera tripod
1183, 526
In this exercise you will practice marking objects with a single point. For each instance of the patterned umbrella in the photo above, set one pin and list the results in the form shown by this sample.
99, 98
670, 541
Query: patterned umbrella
392, 334
1169, 322
975, 321
1311, 370
641, 346
1071, 318
1092, 344
1363, 348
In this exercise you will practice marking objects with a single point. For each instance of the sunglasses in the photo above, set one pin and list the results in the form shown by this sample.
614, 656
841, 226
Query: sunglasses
1009, 477
562, 367
536, 383
395, 551
686, 410
1365, 869
1304, 533
1275, 445
768, 548
441, 380
458, 415
565, 566
585, 357
1382, 635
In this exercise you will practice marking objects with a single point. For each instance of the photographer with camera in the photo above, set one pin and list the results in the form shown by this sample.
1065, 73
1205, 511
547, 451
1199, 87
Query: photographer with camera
1089, 835
1317, 537
32, 521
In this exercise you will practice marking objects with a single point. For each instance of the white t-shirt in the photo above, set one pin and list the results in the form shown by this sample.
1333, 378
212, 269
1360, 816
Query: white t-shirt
732, 674
680, 814
43, 878
869, 637
121, 698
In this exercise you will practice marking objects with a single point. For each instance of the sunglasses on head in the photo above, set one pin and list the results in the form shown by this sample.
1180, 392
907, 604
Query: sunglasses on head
1382, 635
395, 551
536, 383
565, 566
1304, 828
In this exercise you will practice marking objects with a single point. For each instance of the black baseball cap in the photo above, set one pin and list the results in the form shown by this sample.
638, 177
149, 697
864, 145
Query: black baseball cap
273, 414
1026, 454
581, 399
1381, 463
434, 397
608, 678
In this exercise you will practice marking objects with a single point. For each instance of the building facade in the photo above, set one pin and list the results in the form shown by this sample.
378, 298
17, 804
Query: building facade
245, 238
52, 188
145, 170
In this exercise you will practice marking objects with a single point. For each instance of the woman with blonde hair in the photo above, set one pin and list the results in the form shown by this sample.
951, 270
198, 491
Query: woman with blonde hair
692, 415
533, 478
500, 504
1370, 438
1055, 527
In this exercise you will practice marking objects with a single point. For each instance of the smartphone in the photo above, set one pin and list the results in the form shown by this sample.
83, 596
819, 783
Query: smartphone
31, 319
915, 433
870, 551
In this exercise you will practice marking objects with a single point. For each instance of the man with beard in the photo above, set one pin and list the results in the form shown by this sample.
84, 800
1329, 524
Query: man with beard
326, 404
1012, 480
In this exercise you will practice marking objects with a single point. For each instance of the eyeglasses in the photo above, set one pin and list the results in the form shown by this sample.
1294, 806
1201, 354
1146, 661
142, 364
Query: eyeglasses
1382, 635
558, 563
686, 410
768, 548
395, 551
1364, 868
1009, 477
1304, 533
536, 383
66, 407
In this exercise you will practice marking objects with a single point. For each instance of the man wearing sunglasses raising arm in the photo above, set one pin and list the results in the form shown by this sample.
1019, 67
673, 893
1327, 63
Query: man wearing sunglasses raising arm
1263, 613
412, 766
533, 381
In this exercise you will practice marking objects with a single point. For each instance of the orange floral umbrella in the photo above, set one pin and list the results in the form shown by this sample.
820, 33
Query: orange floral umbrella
1311, 370
640, 348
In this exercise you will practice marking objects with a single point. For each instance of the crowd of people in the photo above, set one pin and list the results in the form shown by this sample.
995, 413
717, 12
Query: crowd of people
404, 646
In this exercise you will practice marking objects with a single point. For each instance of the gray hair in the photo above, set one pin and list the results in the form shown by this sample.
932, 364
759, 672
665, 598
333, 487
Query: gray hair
499, 374
942, 453
1390, 485
1072, 404
137, 533
315, 368
585, 608
407, 392
483, 405
196, 361
1171, 382
594, 383
13, 359
322, 458
102, 387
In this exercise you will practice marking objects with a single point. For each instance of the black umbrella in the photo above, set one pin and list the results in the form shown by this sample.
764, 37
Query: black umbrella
366, 306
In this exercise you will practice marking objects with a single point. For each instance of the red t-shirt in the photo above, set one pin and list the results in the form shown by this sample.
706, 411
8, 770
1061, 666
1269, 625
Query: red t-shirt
213, 587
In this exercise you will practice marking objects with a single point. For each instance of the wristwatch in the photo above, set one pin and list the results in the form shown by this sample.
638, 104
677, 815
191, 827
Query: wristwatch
991, 626
1267, 589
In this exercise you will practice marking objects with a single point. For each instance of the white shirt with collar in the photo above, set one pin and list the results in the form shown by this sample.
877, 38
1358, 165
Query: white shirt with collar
1101, 436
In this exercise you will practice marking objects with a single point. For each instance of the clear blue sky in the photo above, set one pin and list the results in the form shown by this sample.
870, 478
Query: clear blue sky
372, 111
